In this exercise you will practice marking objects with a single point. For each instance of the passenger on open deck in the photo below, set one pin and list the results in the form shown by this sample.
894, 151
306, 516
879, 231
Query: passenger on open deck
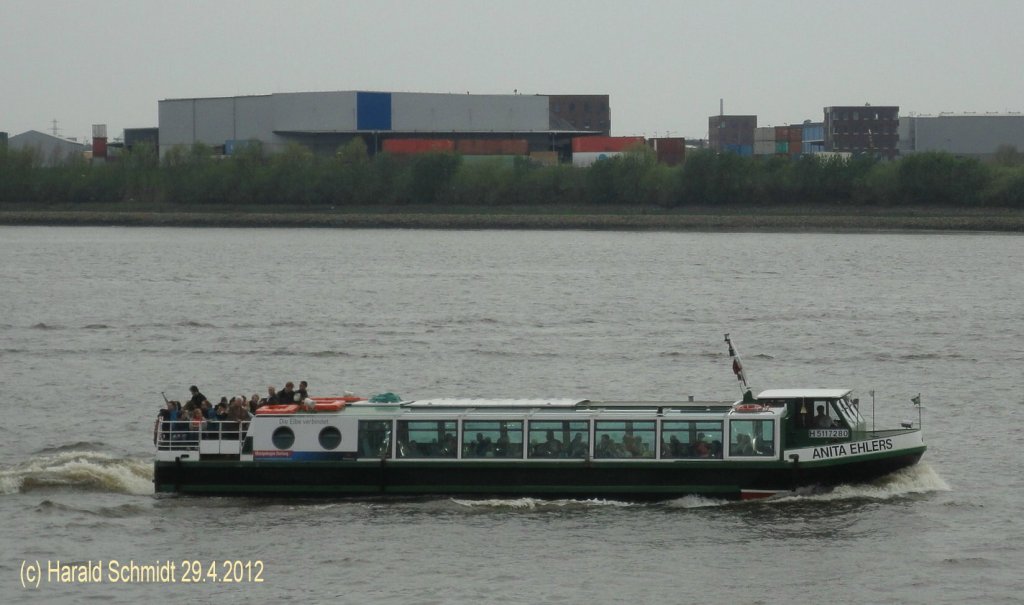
197, 422
164, 418
197, 398
237, 411
303, 394
271, 398
287, 394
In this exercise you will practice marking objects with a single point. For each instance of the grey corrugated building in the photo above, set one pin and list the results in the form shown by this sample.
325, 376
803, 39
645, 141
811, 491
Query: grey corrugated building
52, 150
971, 135
323, 121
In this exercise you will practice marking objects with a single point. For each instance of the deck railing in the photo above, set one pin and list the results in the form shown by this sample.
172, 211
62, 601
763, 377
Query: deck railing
210, 435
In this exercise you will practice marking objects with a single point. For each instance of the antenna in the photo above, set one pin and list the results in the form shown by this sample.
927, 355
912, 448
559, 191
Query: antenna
54, 129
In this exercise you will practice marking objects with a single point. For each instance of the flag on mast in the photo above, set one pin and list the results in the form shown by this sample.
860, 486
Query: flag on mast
737, 368
916, 400
737, 363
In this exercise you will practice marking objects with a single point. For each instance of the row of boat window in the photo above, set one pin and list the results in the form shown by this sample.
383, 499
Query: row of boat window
565, 439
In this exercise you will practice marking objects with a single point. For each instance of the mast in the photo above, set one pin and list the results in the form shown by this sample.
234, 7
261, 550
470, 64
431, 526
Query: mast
737, 368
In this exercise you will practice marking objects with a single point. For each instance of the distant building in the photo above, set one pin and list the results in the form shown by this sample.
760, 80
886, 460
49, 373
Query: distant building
136, 136
52, 150
813, 138
324, 121
969, 135
863, 129
580, 112
733, 134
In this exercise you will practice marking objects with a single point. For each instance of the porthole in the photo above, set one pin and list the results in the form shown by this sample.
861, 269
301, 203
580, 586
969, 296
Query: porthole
283, 438
330, 437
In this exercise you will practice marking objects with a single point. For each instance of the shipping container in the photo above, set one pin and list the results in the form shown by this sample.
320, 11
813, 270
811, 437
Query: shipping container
505, 161
669, 145
764, 147
796, 134
740, 150
99, 146
782, 147
671, 158
599, 144
545, 158
782, 133
492, 146
405, 146
766, 133
586, 158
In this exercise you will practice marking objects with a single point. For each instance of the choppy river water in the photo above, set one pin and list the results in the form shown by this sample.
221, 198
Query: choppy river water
96, 322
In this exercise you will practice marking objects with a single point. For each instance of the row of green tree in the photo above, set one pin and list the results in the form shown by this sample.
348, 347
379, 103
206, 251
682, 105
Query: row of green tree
295, 177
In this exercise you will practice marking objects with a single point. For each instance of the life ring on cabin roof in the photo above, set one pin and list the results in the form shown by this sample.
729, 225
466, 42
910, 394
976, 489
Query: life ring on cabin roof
284, 408
746, 408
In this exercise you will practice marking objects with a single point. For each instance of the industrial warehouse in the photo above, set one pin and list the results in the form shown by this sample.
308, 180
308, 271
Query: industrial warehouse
540, 126
548, 129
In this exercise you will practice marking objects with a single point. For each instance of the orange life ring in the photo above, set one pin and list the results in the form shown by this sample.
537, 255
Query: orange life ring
329, 406
749, 407
284, 408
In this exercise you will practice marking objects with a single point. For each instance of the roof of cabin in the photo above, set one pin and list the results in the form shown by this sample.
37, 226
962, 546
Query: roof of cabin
493, 403
802, 393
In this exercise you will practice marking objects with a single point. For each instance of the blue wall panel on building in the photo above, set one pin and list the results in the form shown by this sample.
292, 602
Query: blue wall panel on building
373, 110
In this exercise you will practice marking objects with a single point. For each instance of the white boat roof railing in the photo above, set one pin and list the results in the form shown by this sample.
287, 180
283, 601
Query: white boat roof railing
481, 403
803, 393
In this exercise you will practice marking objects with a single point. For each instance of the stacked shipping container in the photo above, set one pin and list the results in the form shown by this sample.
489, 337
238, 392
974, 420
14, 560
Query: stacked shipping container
587, 150
410, 146
670, 151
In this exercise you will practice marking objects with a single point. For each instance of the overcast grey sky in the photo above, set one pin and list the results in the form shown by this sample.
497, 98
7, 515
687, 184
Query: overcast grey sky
665, 64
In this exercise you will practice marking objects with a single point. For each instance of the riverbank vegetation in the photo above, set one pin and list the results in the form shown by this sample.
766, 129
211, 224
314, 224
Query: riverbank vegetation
296, 180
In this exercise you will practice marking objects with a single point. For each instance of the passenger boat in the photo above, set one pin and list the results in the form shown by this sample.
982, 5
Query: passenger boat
776, 442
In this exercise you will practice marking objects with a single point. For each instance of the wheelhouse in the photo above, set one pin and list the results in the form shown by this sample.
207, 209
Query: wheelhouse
817, 416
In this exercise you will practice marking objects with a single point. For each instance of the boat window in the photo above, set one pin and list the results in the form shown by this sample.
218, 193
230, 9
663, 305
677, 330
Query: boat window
850, 412
752, 438
492, 439
329, 437
624, 439
691, 439
818, 413
283, 438
427, 439
374, 439
559, 438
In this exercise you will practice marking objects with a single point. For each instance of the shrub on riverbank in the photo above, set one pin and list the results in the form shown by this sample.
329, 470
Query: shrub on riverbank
297, 178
